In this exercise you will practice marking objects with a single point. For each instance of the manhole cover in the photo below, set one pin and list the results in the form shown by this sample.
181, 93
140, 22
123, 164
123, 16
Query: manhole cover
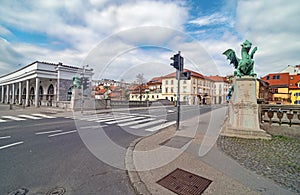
183, 182
56, 191
21, 191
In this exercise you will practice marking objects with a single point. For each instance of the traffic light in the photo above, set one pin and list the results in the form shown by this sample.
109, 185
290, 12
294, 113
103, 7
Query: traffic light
85, 82
76, 82
176, 61
185, 75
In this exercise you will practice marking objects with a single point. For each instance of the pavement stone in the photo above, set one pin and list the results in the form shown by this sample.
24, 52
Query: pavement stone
228, 176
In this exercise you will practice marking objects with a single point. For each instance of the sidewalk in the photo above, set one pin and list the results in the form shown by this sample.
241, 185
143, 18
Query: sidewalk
193, 150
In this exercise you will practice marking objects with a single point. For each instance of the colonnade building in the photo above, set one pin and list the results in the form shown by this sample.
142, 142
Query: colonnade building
39, 84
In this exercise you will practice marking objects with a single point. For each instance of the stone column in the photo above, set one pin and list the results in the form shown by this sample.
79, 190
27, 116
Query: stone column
20, 92
2, 93
58, 82
13, 94
7, 94
27, 93
36, 93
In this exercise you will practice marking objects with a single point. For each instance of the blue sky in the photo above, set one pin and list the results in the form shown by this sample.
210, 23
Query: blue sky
112, 36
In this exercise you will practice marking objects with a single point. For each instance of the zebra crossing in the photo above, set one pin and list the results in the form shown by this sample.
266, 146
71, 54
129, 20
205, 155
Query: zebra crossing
23, 117
133, 121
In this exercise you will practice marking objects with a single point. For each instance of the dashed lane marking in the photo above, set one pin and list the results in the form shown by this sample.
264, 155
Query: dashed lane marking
30, 117
48, 132
5, 137
62, 133
10, 145
43, 115
14, 118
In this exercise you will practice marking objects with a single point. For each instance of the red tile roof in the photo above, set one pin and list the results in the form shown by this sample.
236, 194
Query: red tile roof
218, 78
294, 79
284, 79
193, 73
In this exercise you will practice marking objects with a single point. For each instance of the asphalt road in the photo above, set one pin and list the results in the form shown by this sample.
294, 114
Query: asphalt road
41, 155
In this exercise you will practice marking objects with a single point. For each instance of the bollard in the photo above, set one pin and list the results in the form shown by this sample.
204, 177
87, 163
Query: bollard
10, 106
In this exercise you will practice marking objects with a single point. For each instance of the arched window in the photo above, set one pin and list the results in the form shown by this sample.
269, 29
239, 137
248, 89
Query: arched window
31, 93
50, 93
69, 95
41, 92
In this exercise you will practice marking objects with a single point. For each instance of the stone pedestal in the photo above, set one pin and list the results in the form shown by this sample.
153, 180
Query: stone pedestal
243, 111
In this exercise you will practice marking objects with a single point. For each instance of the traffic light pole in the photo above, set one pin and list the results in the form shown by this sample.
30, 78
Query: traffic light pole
178, 99
82, 90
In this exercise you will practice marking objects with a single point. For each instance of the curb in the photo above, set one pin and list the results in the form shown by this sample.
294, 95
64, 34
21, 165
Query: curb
136, 182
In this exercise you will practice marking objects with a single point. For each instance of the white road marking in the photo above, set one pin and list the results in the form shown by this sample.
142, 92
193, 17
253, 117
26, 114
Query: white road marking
28, 116
14, 118
2, 121
93, 127
47, 132
124, 120
156, 128
10, 145
145, 115
115, 118
62, 133
5, 137
43, 115
147, 124
136, 122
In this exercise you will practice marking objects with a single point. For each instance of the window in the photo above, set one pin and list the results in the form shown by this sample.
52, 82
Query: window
166, 82
172, 82
297, 102
297, 94
276, 77
298, 85
268, 78
166, 89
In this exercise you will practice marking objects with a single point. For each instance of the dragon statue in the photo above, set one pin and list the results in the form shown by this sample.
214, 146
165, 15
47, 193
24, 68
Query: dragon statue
245, 65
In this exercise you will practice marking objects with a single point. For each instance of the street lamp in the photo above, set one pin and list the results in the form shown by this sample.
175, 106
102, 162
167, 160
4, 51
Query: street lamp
82, 89
147, 96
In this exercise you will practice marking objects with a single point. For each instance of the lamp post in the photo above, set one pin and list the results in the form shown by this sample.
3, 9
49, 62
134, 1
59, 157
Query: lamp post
147, 96
82, 90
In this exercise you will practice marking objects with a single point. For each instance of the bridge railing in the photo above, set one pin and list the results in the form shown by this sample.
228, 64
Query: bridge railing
280, 114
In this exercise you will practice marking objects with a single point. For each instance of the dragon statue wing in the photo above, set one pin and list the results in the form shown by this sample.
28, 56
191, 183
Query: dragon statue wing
230, 54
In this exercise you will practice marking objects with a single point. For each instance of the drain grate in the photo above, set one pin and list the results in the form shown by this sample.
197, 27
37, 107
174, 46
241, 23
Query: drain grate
21, 191
185, 183
57, 191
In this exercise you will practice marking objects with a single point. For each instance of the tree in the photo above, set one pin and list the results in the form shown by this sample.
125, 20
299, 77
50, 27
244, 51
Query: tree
140, 82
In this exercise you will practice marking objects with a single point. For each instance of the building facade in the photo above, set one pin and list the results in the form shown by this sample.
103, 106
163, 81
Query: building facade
197, 90
39, 84
220, 89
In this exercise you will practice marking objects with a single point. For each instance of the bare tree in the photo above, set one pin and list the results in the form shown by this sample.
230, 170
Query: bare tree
140, 82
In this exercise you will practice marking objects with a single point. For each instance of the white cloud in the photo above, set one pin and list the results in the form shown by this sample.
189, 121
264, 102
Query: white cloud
273, 26
216, 18
81, 25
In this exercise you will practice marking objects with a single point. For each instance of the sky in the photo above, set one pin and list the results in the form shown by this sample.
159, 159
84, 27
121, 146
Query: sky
122, 38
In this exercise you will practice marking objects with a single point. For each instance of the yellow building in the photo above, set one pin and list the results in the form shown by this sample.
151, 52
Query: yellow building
294, 89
